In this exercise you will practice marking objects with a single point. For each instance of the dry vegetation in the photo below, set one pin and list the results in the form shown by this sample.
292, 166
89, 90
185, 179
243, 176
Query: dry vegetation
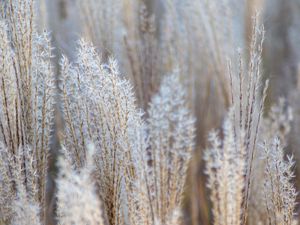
167, 114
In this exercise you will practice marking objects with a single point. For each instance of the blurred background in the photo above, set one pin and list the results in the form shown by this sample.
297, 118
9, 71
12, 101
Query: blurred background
153, 38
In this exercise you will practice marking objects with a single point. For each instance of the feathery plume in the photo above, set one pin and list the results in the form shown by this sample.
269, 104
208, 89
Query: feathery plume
226, 169
19, 185
171, 142
77, 200
99, 106
276, 124
25, 211
27, 91
280, 193
248, 104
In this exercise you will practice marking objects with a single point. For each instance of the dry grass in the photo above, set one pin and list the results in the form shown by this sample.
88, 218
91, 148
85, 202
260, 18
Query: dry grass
131, 148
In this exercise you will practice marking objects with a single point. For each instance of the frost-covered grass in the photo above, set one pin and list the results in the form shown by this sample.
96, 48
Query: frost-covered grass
134, 124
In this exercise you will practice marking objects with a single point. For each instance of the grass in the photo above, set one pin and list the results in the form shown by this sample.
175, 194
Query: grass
138, 97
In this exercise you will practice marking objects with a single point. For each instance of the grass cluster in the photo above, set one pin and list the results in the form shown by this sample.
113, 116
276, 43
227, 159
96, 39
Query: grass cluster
138, 98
